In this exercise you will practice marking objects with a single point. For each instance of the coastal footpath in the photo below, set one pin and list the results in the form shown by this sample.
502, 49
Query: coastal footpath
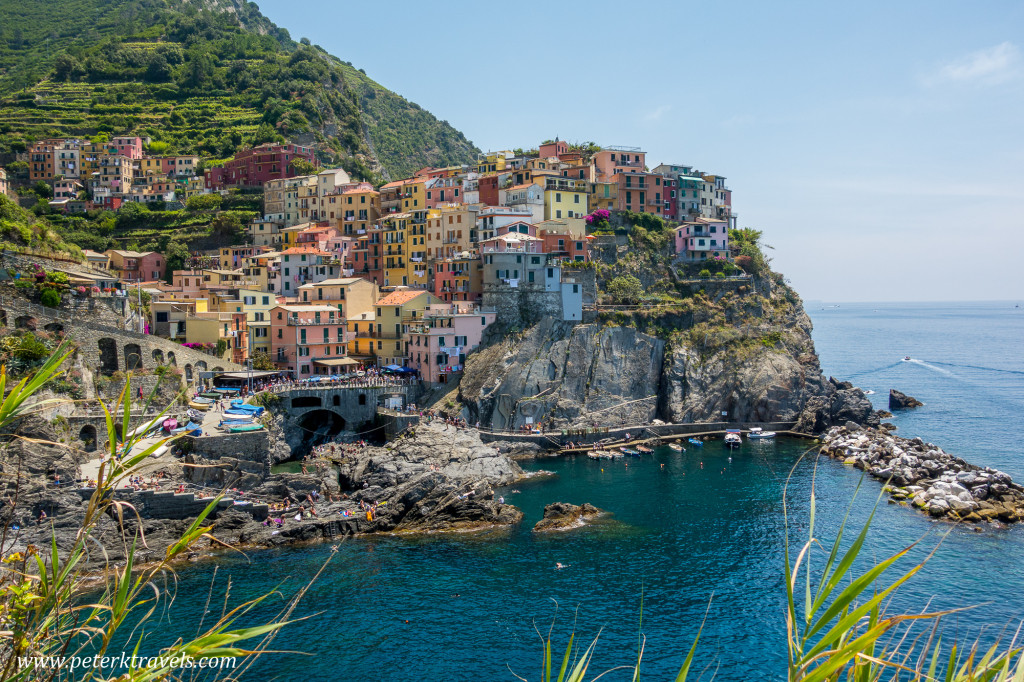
925, 476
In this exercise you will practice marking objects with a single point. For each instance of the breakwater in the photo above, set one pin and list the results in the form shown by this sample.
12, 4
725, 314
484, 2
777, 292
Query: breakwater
924, 475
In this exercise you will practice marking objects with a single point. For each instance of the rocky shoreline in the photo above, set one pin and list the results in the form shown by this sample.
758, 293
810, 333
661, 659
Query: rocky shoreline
923, 475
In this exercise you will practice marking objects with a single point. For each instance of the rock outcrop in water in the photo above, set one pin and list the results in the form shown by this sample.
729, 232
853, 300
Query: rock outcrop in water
440, 478
561, 516
747, 355
923, 474
899, 400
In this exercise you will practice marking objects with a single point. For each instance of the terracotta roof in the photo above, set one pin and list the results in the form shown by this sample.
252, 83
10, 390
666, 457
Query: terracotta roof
305, 250
400, 297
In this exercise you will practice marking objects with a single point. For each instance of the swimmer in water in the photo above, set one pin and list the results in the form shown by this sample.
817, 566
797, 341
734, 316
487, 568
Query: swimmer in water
559, 564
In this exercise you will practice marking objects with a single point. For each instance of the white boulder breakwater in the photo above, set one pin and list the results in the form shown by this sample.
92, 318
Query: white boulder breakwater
924, 475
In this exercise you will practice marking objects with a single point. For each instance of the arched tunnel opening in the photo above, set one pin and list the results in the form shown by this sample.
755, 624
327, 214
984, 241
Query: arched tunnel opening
318, 427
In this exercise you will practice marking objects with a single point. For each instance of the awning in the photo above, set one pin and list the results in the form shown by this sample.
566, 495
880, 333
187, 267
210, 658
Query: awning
335, 362
254, 374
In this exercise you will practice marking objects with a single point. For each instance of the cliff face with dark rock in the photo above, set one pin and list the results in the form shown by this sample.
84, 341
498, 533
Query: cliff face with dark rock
743, 356
568, 374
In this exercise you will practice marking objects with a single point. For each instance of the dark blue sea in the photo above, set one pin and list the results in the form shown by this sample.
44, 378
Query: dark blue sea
687, 529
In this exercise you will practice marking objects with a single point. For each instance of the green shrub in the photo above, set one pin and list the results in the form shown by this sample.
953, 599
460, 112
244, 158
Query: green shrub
705, 273
50, 298
720, 274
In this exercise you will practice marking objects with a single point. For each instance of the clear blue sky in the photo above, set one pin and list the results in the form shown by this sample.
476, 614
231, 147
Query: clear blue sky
878, 145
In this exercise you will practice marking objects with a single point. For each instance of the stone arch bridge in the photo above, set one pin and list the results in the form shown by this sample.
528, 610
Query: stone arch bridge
346, 407
104, 346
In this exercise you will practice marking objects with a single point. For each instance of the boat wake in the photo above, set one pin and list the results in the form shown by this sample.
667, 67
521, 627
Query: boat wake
986, 369
932, 367
875, 370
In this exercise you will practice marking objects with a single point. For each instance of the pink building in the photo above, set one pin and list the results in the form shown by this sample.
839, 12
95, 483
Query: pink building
133, 265
438, 344
611, 161
309, 339
556, 148
127, 146
702, 239
511, 242
458, 278
443, 191
253, 167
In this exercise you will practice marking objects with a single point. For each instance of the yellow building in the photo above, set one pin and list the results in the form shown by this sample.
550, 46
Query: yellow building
603, 195
394, 313
353, 208
451, 229
363, 346
393, 249
256, 305
351, 295
492, 161
415, 243
404, 195
565, 198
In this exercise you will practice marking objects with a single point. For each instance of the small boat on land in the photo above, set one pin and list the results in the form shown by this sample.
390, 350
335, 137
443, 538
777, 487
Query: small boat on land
199, 406
676, 447
757, 433
212, 395
242, 428
733, 439
630, 451
694, 441
644, 450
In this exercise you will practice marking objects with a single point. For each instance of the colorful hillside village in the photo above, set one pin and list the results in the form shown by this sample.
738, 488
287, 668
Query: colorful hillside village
339, 275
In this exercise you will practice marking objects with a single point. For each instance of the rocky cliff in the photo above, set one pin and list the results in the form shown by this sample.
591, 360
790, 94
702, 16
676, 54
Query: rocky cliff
742, 355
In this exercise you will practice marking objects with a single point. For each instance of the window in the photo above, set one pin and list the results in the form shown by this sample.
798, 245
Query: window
558, 214
576, 198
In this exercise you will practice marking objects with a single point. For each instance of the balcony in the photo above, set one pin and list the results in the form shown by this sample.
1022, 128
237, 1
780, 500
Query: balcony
308, 322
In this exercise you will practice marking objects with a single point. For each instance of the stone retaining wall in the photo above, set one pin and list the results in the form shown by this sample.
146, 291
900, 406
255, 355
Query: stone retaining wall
166, 504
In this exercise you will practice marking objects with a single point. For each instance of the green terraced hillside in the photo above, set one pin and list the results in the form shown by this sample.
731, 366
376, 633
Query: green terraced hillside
202, 76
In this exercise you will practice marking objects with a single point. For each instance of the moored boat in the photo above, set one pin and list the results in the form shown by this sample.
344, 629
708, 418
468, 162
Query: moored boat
241, 428
733, 439
630, 451
644, 450
694, 441
676, 447
757, 433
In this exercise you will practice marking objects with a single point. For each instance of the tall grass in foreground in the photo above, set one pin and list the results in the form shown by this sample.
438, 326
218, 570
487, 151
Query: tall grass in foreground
838, 624
43, 611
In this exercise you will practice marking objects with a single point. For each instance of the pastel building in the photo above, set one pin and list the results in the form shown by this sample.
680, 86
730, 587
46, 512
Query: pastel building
457, 278
253, 167
133, 265
308, 339
393, 314
437, 345
702, 239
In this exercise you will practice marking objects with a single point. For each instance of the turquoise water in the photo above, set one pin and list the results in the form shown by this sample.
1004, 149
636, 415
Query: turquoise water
698, 526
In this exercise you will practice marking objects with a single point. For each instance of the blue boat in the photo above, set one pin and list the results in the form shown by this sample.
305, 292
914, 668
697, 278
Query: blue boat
630, 451
694, 441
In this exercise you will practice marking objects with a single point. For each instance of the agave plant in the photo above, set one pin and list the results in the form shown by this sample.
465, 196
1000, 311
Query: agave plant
46, 607
840, 628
